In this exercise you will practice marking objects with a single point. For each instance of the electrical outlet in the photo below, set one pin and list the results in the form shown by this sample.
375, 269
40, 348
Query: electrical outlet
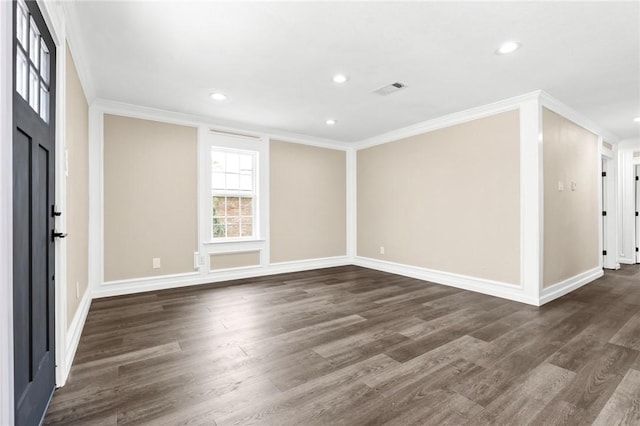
381, 249
156, 263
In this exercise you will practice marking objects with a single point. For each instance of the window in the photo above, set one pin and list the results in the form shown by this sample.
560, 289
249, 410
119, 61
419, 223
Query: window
32, 63
233, 194
233, 182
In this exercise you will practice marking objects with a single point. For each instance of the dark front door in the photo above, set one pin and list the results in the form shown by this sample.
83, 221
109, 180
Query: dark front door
33, 221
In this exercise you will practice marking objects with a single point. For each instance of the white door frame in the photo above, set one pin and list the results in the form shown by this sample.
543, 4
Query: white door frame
636, 162
6, 214
54, 17
608, 199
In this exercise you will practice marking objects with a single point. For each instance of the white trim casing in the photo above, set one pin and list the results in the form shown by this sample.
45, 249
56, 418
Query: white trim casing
207, 139
122, 287
560, 289
626, 205
636, 163
450, 120
352, 204
555, 105
145, 113
55, 20
6, 214
531, 198
479, 285
601, 207
609, 200
96, 198
75, 331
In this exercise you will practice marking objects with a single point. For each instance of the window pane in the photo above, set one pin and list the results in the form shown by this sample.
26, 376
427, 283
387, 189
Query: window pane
246, 182
218, 228
233, 163
217, 161
233, 227
218, 181
44, 61
34, 43
219, 206
246, 206
21, 74
44, 103
246, 163
246, 228
22, 24
233, 181
233, 206
34, 88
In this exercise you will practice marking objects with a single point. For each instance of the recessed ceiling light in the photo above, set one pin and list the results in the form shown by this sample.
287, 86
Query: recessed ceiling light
331, 122
218, 96
637, 119
508, 47
340, 78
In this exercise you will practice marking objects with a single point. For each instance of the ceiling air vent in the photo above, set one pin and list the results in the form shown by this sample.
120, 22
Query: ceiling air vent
391, 88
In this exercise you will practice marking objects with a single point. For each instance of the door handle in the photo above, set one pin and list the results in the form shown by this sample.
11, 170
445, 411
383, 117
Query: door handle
54, 213
55, 235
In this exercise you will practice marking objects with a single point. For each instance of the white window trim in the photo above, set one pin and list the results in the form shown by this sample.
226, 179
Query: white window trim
208, 139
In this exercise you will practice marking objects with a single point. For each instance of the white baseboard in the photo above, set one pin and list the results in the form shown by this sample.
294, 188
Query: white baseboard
627, 260
479, 285
73, 334
140, 285
560, 289
613, 266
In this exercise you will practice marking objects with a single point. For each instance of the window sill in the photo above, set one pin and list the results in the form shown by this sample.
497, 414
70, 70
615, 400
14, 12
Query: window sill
233, 241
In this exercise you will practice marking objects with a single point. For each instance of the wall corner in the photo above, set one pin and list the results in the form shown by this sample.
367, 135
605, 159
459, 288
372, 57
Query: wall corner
531, 197
351, 212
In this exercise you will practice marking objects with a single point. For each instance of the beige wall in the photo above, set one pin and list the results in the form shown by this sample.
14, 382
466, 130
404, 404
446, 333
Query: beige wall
570, 217
447, 200
77, 211
308, 202
234, 260
150, 197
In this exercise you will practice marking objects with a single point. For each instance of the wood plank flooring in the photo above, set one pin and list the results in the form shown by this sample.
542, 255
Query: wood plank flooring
352, 346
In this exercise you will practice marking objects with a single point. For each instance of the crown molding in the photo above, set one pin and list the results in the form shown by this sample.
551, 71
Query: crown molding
147, 113
449, 120
557, 106
78, 49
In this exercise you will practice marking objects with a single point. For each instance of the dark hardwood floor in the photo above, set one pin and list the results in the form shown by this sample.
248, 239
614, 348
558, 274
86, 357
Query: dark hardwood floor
351, 346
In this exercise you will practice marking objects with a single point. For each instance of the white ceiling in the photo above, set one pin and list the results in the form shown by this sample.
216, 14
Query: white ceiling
275, 60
